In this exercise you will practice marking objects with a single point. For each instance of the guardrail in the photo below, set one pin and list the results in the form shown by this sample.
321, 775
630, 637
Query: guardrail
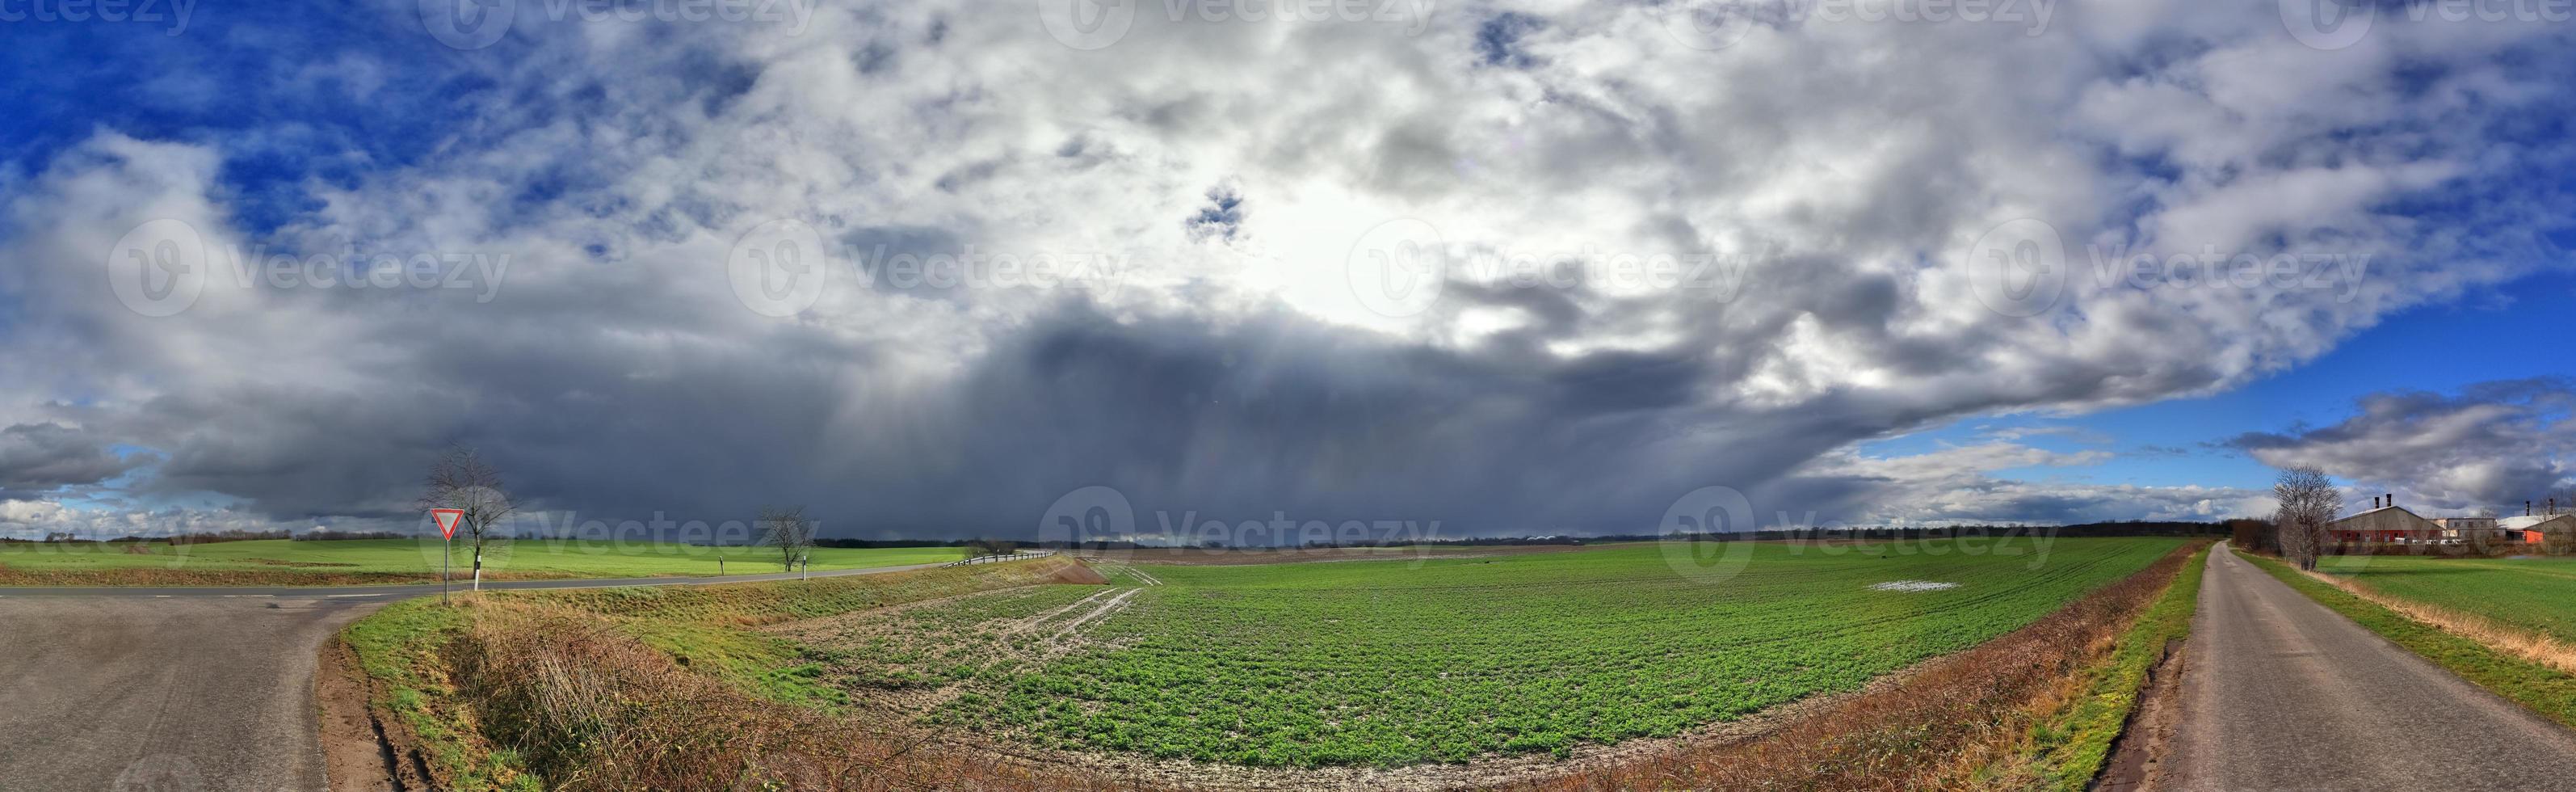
992, 559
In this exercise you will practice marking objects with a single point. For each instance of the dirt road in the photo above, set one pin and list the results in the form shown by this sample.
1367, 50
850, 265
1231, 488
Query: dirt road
2281, 694
184, 690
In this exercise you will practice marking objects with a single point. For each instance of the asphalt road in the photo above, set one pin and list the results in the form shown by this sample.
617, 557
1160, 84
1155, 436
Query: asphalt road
187, 689
2281, 694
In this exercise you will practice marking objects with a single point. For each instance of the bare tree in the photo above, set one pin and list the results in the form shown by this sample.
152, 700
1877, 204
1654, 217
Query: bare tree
462, 481
787, 528
978, 548
2308, 501
2561, 498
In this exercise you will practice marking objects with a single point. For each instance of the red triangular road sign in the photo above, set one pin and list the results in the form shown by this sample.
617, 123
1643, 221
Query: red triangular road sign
447, 520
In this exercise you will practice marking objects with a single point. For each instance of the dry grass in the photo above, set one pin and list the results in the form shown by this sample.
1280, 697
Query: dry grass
2533, 647
562, 683
1935, 730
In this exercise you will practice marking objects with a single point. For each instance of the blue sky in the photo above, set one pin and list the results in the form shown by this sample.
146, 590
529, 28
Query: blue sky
627, 170
2516, 330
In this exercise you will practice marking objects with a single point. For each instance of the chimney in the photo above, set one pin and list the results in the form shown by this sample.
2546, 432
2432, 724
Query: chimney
2392, 499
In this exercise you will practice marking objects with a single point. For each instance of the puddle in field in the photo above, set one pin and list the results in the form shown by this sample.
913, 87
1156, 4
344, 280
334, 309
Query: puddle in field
1913, 585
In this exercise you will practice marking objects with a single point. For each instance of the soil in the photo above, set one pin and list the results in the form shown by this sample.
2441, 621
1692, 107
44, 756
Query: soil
358, 751
2138, 755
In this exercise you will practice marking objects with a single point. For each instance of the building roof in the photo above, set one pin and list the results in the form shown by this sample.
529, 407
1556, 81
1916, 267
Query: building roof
2526, 523
2368, 512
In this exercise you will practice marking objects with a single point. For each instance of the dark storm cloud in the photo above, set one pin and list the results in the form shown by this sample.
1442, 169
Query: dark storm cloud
616, 375
40, 457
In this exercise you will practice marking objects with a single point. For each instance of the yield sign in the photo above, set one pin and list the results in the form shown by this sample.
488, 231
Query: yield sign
447, 520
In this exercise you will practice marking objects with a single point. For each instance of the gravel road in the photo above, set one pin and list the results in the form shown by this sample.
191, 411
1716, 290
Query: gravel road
2281, 694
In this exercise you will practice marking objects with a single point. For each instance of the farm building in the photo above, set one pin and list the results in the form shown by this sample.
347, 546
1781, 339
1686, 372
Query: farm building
2467, 527
2390, 524
2537, 529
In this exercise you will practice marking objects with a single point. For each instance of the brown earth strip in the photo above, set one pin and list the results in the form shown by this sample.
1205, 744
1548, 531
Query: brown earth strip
2137, 757
361, 756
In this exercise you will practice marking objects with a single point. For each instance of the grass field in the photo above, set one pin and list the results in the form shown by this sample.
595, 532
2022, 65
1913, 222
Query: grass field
2535, 594
1393, 663
283, 562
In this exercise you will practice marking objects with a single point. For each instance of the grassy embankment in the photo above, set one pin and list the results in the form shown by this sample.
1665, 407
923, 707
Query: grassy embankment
279, 562
665, 688
2534, 684
2072, 741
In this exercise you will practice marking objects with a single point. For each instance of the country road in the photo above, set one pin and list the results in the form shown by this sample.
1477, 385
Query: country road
188, 689
2281, 694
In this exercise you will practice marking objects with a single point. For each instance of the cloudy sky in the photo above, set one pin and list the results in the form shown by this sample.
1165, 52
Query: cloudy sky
941, 269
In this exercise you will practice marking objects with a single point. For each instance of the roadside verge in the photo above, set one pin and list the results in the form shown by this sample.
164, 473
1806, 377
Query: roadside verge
624, 687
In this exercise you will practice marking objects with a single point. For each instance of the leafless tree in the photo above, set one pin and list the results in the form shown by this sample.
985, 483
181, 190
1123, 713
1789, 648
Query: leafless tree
786, 528
978, 548
462, 481
2308, 501
2562, 498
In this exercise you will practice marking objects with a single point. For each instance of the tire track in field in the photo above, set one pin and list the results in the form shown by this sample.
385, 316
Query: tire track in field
1102, 612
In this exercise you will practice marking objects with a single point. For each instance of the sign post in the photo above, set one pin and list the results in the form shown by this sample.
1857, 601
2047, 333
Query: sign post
447, 520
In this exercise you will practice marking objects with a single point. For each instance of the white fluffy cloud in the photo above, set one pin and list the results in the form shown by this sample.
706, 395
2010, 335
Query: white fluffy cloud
1232, 172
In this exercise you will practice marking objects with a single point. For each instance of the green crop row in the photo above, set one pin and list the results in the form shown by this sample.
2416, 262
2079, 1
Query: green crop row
1448, 660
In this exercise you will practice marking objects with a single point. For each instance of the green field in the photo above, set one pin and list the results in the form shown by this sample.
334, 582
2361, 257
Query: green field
402, 560
2536, 594
1392, 663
